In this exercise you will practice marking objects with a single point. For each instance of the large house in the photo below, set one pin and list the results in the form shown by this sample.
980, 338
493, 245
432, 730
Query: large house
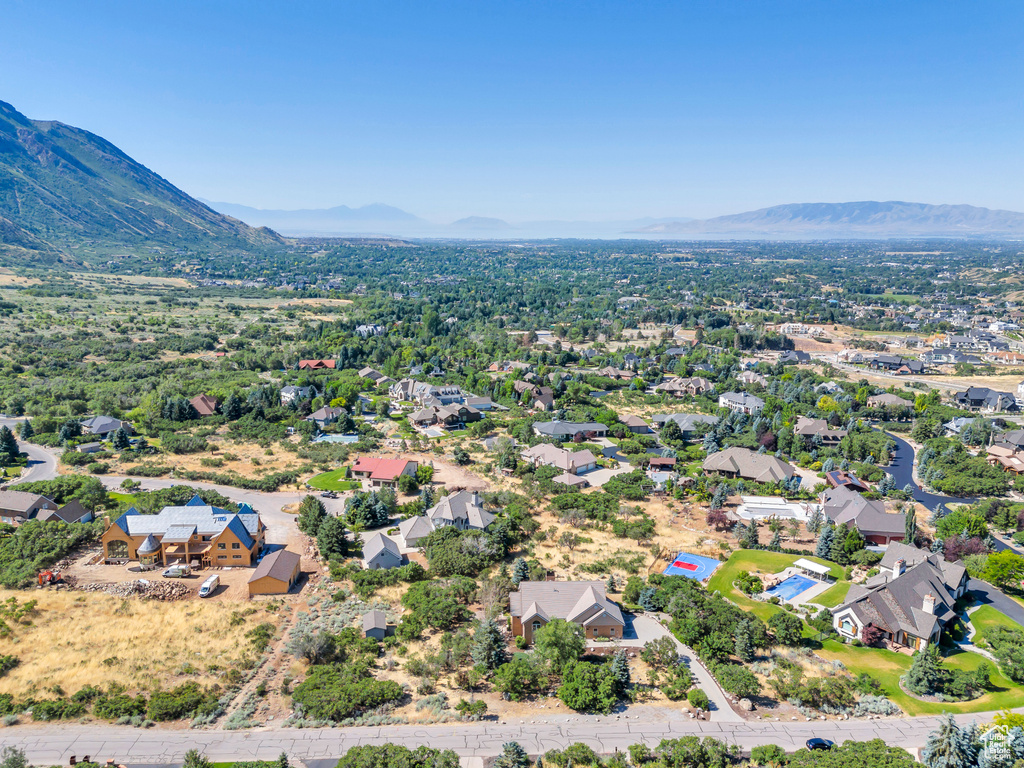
887, 399
463, 510
204, 405
741, 402
17, 506
581, 602
324, 417
105, 426
843, 505
317, 365
681, 387
375, 376
292, 394
445, 415
744, 463
567, 430
811, 428
72, 512
690, 424
195, 533
750, 377
910, 600
383, 472
570, 462
985, 400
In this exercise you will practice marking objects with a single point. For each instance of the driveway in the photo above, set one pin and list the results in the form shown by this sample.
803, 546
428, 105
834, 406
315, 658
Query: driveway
989, 595
646, 628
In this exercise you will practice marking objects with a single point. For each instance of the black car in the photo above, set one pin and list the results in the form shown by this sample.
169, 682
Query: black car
820, 744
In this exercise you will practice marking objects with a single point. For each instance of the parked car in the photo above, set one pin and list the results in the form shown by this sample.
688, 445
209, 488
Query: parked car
329, 495
177, 571
209, 586
817, 743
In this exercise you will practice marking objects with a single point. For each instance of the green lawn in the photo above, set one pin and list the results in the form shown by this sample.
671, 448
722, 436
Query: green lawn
833, 596
987, 618
333, 481
124, 498
745, 560
888, 666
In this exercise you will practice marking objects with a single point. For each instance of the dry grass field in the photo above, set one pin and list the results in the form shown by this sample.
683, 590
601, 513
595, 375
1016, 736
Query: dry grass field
77, 638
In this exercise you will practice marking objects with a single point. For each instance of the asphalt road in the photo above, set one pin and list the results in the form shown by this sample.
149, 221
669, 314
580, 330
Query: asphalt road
902, 469
54, 744
42, 464
989, 595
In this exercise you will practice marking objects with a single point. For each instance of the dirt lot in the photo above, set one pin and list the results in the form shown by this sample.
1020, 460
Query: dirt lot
78, 638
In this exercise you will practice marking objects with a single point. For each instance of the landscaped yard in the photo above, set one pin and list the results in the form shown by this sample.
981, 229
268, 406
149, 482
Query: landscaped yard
834, 596
333, 481
748, 560
888, 666
987, 618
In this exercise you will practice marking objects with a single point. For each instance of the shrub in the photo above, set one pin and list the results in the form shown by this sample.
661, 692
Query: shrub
698, 699
187, 700
334, 692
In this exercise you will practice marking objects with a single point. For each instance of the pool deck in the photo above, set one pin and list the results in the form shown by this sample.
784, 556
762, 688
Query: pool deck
808, 595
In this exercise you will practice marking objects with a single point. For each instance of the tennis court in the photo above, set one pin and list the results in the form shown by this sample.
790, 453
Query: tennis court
692, 566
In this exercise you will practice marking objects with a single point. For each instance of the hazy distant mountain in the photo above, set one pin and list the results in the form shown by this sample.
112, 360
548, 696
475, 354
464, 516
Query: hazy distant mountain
323, 221
482, 224
61, 185
863, 219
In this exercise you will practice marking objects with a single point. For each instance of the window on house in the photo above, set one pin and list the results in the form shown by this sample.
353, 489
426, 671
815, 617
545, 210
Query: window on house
236, 557
235, 545
536, 626
222, 557
222, 545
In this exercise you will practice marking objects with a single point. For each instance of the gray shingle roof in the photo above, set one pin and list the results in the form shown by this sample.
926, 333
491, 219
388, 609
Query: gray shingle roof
760, 467
581, 601
278, 565
844, 505
465, 506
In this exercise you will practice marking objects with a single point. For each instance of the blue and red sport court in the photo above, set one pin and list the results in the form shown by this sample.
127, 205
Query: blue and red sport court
692, 566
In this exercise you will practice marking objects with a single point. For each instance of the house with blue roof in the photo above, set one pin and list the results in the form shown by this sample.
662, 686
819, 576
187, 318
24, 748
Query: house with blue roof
196, 534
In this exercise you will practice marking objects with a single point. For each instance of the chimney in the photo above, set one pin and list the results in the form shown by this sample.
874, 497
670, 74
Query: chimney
477, 501
106, 520
929, 603
898, 567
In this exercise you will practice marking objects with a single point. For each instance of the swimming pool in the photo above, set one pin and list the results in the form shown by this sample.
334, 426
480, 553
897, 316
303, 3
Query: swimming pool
790, 588
337, 439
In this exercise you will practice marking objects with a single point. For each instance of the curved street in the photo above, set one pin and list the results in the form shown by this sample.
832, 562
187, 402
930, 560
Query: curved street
42, 463
902, 469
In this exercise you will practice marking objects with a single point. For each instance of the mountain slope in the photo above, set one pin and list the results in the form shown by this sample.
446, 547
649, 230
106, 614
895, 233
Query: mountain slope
860, 219
60, 185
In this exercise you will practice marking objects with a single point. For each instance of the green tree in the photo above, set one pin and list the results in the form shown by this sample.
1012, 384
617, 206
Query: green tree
559, 642
925, 674
588, 687
488, 645
787, 628
771, 755
520, 571
620, 672
195, 759
512, 756
947, 747
518, 677
25, 431
1004, 569
395, 756
741, 639
121, 441
330, 538
312, 513
8, 445
875, 753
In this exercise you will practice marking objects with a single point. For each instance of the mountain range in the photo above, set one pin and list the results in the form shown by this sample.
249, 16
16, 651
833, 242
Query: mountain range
868, 219
61, 185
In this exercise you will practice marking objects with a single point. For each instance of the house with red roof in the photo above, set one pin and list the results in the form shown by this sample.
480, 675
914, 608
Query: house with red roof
381, 472
317, 365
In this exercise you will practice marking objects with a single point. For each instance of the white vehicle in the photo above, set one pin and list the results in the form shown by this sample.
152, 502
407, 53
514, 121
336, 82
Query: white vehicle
177, 571
209, 586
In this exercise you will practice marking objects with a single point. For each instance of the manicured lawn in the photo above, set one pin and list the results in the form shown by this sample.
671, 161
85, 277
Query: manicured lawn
832, 597
987, 618
125, 498
333, 481
746, 560
888, 666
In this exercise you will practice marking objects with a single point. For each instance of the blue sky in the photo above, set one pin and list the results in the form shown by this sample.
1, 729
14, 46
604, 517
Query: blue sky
533, 110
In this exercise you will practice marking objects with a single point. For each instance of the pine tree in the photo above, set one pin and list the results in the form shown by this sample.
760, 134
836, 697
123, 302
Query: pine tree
815, 521
776, 542
837, 552
513, 756
925, 674
520, 571
744, 650
750, 538
121, 441
25, 431
946, 747
232, 408
311, 514
488, 645
620, 673
8, 444
611, 585
910, 531
823, 549
330, 538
